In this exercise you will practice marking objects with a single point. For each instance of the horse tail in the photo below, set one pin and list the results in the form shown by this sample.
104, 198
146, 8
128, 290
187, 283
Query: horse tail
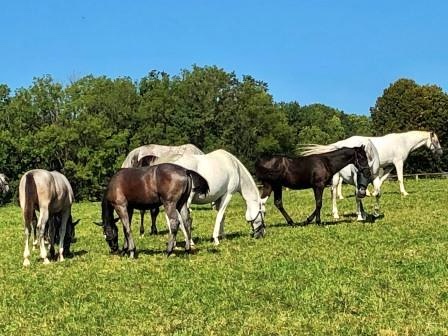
200, 184
311, 149
31, 197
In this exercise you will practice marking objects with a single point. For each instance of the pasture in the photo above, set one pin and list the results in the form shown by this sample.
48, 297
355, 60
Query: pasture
389, 277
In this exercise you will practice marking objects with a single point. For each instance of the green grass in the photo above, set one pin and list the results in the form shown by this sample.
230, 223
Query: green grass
389, 277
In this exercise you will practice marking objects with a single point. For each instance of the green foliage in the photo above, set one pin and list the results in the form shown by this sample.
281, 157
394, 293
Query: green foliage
86, 129
350, 278
406, 106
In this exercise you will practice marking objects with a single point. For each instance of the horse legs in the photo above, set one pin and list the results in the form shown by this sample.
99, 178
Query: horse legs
221, 206
154, 212
399, 168
377, 192
279, 204
185, 225
172, 214
318, 191
26, 252
33, 227
339, 186
62, 230
126, 218
41, 223
142, 226
360, 210
334, 194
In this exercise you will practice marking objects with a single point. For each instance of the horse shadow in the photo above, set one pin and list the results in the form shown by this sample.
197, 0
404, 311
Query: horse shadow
348, 218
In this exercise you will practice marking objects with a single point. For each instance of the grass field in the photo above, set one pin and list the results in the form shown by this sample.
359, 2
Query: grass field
389, 277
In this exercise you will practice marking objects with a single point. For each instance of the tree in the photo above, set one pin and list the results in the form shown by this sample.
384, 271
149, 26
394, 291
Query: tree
406, 106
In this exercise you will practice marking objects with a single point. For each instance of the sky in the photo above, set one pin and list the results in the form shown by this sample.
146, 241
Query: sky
339, 53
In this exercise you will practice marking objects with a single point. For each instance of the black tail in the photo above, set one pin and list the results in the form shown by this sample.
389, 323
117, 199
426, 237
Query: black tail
200, 184
30, 197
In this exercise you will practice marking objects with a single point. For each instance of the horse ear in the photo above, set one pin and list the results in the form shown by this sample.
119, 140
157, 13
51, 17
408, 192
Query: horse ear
98, 223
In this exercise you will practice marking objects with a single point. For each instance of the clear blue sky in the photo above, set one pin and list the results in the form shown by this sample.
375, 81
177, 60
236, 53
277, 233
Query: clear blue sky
339, 53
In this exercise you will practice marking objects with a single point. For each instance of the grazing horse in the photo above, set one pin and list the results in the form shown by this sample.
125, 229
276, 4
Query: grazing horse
313, 171
144, 189
155, 150
4, 186
51, 194
393, 150
226, 175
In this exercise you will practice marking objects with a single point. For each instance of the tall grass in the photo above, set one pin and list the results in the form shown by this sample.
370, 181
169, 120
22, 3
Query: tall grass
388, 277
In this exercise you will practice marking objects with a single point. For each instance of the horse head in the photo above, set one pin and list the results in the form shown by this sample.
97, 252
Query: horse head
364, 175
256, 218
109, 225
433, 144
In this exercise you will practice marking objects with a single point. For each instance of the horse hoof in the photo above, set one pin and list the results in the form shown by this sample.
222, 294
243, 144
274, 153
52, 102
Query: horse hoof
26, 263
46, 261
132, 255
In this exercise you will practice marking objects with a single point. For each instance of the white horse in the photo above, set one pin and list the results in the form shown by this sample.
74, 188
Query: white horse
225, 175
393, 149
351, 177
155, 150
51, 194
4, 186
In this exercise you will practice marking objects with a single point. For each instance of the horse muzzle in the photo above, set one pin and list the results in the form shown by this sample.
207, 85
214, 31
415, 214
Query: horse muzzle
259, 232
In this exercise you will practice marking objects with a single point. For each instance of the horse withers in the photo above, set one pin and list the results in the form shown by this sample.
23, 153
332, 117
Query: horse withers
51, 194
144, 189
313, 171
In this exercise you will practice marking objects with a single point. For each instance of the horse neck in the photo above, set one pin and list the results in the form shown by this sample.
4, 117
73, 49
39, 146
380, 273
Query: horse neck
414, 139
247, 186
341, 158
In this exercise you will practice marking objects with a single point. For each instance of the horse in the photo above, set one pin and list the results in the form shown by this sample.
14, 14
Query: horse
348, 173
51, 194
226, 175
138, 153
309, 171
157, 150
144, 189
393, 150
4, 186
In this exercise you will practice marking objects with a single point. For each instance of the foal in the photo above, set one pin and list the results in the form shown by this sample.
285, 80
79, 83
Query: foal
145, 189
313, 171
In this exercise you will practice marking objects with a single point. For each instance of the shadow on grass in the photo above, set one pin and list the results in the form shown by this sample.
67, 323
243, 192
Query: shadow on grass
348, 218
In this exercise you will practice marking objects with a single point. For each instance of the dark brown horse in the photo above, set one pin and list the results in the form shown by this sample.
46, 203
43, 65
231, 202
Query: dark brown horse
147, 188
313, 171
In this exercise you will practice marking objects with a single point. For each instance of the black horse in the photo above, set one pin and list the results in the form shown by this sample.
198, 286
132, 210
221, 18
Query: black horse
147, 188
313, 171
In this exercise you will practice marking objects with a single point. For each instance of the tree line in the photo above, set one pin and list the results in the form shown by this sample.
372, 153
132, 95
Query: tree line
86, 128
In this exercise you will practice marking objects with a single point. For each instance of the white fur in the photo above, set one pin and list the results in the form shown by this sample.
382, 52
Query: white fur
225, 175
393, 149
